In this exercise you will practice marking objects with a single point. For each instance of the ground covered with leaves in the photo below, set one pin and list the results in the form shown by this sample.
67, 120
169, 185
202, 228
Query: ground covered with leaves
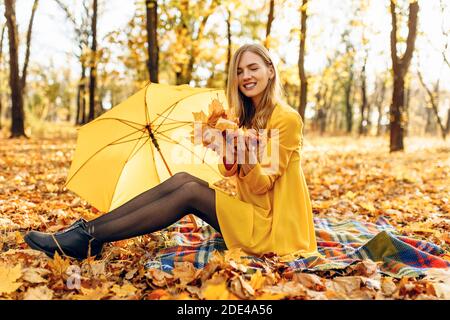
348, 178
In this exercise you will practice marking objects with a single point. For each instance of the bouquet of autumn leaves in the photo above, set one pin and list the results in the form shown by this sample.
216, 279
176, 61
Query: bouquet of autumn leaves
218, 127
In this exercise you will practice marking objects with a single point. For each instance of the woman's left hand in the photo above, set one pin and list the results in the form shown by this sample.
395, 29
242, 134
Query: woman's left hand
250, 152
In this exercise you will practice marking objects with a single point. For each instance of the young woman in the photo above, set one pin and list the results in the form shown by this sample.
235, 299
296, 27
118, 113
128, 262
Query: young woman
272, 211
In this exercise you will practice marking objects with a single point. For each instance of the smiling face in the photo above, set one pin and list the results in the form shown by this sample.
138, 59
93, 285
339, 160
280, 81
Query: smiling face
253, 76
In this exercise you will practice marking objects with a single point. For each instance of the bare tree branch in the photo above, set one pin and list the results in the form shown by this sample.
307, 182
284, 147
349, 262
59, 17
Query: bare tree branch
270, 18
27, 53
446, 34
66, 10
1, 42
433, 101
412, 32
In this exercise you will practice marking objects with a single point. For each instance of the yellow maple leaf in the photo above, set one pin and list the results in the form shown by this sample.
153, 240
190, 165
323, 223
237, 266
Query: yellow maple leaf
368, 207
185, 272
159, 294
200, 117
19, 237
38, 293
216, 111
91, 294
216, 107
234, 254
51, 187
216, 291
34, 275
124, 291
257, 280
350, 195
322, 204
9, 277
58, 264
217, 257
230, 115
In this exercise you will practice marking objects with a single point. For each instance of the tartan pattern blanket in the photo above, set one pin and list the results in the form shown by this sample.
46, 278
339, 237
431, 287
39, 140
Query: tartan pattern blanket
341, 243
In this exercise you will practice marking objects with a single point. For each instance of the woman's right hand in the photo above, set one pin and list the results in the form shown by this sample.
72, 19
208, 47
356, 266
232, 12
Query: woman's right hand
229, 146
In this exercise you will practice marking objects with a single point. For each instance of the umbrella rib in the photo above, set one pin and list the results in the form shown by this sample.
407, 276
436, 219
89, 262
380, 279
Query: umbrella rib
177, 121
175, 142
128, 159
183, 123
125, 122
97, 152
166, 117
174, 105
116, 143
132, 155
169, 129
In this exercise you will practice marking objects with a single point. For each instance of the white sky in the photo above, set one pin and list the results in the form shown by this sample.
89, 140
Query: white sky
52, 34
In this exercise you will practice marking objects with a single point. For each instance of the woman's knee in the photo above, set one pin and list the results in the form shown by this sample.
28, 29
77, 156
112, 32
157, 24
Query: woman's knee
184, 177
191, 190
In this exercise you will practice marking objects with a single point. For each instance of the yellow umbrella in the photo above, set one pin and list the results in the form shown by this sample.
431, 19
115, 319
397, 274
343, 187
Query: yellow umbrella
140, 143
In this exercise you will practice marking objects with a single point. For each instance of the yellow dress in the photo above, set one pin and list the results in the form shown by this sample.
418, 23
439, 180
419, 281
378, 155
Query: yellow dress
272, 210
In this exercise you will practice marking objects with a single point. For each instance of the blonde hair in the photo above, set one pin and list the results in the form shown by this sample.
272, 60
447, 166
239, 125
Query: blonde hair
250, 116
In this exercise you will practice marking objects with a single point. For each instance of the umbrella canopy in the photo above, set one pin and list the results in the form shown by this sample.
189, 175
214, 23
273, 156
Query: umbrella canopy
140, 143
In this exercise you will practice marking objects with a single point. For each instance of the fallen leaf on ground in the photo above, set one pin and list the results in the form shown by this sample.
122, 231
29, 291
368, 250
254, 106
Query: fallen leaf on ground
38, 293
8, 278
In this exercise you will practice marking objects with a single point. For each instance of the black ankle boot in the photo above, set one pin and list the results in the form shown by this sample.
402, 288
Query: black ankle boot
74, 242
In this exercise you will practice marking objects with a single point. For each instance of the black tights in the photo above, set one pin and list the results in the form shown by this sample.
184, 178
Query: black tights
158, 208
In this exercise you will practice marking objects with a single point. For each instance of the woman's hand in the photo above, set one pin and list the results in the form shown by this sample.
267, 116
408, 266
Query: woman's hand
223, 143
229, 146
251, 155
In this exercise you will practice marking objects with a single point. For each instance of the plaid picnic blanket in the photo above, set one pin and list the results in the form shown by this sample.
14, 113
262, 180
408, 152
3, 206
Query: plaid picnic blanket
341, 243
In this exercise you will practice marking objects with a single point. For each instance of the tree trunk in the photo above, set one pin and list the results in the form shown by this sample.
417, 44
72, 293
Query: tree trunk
407, 102
368, 121
328, 101
81, 98
396, 112
78, 112
1, 56
379, 103
270, 18
152, 39
400, 67
182, 76
363, 121
429, 124
379, 107
348, 104
318, 107
228, 45
447, 127
17, 126
93, 64
301, 61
